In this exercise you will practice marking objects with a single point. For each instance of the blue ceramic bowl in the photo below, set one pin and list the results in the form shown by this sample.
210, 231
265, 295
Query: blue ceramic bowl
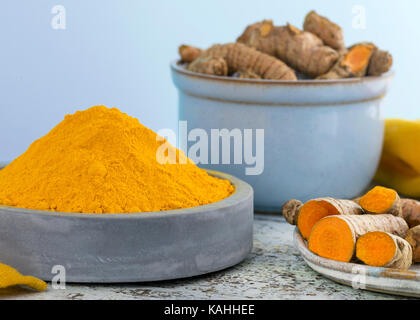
321, 137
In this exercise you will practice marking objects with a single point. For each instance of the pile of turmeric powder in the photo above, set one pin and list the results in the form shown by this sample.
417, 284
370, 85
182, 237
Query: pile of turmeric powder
265, 51
103, 161
378, 229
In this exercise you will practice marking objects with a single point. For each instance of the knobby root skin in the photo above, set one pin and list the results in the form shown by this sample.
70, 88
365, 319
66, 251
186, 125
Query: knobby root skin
314, 210
383, 249
413, 238
354, 63
239, 57
256, 36
410, 212
255, 32
316, 52
245, 75
334, 237
301, 50
290, 210
209, 65
381, 200
380, 62
188, 53
329, 32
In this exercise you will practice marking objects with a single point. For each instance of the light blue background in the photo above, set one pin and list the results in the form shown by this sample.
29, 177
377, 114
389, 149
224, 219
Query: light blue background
117, 53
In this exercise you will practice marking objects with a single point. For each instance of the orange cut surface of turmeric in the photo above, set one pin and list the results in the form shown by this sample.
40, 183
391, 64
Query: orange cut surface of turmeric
375, 248
332, 239
310, 213
103, 161
378, 200
358, 58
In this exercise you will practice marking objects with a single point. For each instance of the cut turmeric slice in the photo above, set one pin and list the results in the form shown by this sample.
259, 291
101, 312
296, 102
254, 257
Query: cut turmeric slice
352, 64
11, 277
313, 211
381, 200
357, 59
382, 249
335, 237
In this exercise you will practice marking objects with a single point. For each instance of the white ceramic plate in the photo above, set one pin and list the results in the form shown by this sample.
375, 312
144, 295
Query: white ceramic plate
386, 280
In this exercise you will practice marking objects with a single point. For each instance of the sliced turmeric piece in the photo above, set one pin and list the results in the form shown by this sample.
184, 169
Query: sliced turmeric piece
314, 210
384, 200
381, 200
326, 30
301, 50
334, 237
413, 238
240, 57
11, 277
382, 249
352, 64
358, 57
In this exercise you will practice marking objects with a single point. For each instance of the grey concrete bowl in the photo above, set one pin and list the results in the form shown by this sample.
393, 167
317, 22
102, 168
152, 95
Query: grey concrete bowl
137, 247
321, 137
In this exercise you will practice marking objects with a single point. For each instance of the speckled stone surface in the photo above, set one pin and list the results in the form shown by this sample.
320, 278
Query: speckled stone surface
274, 270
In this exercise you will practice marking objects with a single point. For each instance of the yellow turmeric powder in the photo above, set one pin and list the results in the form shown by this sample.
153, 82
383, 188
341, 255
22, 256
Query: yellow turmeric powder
10, 277
103, 161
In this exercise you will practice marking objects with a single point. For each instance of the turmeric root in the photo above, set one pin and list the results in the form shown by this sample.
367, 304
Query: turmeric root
381, 200
380, 62
410, 212
255, 32
188, 53
245, 75
382, 249
352, 64
209, 65
314, 210
239, 57
290, 210
326, 30
335, 237
413, 238
301, 50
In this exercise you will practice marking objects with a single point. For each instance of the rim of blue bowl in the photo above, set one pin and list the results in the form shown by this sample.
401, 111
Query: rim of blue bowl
178, 67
